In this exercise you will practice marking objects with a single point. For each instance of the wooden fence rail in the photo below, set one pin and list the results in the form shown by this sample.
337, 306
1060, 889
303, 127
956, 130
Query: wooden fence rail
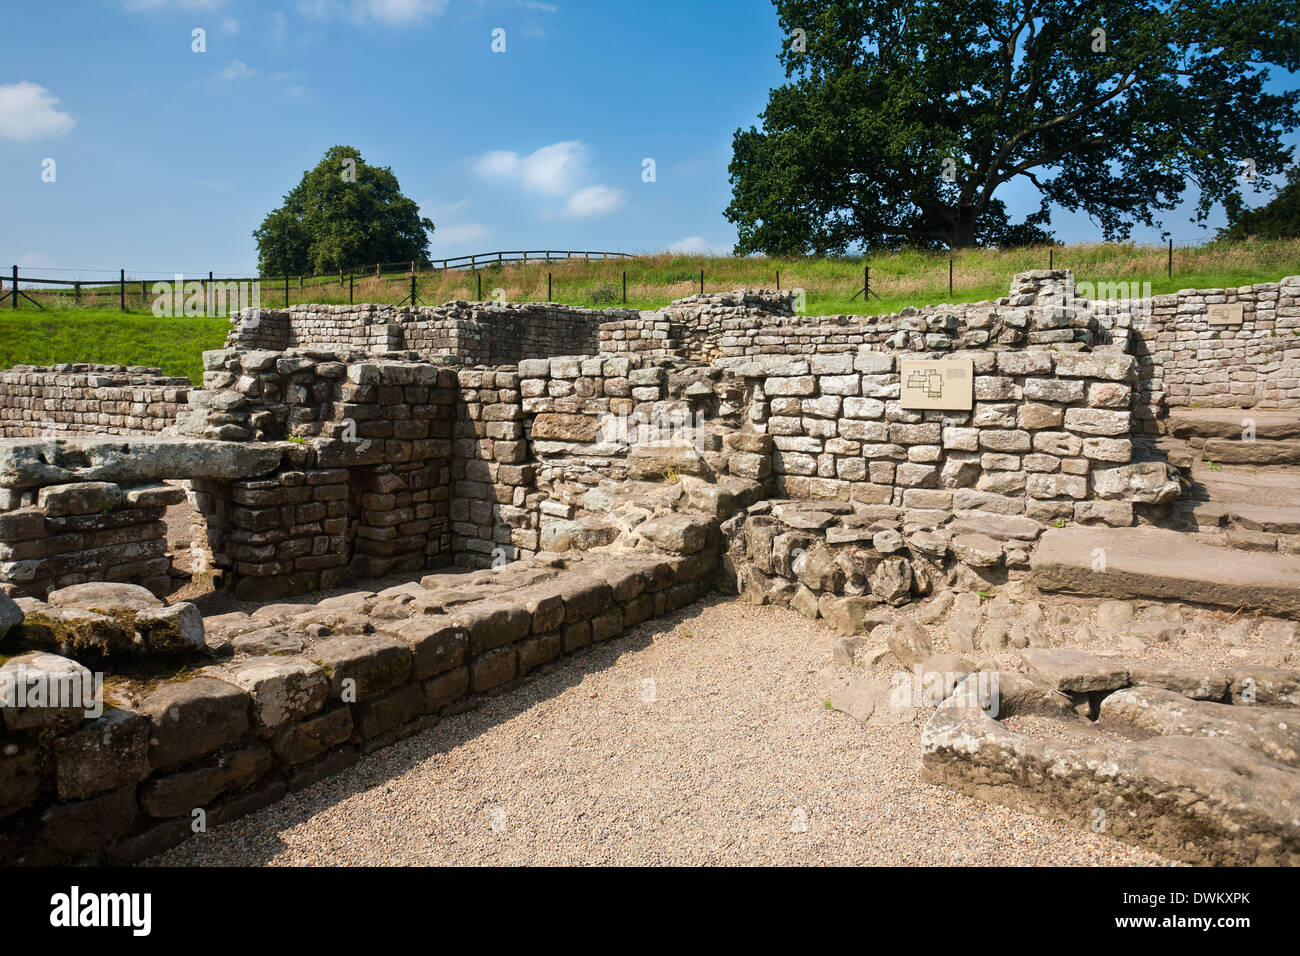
473, 261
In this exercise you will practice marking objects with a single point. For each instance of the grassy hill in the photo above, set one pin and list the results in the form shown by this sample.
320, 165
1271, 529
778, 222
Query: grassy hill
98, 332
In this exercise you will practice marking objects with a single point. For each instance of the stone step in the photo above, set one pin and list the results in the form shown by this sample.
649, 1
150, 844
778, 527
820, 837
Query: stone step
1261, 451
1167, 565
1198, 424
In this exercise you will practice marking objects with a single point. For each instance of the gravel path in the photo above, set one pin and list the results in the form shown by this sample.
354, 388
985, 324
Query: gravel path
699, 738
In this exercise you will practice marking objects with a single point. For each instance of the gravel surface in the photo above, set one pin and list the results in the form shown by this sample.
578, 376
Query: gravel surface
698, 738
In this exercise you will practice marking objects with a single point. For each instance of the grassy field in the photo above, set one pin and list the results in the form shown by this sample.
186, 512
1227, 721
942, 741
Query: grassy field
110, 337
98, 332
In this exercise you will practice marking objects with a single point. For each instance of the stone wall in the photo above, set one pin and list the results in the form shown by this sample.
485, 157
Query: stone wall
467, 333
286, 698
56, 400
1048, 435
66, 534
1183, 360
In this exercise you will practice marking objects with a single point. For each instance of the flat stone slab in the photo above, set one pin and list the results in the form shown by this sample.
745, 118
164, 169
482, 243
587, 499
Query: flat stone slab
37, 462
1230, 451
1271, 731
1197, 799
1074, 671
1189, 681
1169, 565
1231, 422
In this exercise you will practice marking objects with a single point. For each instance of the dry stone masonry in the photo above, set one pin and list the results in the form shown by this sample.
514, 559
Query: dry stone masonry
547, 477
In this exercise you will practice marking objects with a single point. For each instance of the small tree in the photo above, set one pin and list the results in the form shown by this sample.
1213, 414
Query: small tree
344, 212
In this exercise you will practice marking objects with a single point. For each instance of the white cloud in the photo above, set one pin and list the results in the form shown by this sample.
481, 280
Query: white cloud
699, 246
595, 201
395, 13
229, 25
537, 5
27, 111
446, 209
460, 233
552, 170
235, 70
399, 12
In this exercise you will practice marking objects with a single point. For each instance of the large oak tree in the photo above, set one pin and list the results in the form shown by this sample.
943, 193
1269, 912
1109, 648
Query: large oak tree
344, 212
901, 120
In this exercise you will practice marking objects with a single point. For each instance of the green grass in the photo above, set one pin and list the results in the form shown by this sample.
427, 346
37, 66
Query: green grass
98, 332
29, 336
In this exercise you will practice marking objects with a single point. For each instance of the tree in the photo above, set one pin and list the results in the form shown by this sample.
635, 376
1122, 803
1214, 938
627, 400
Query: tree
344, 212
901, 120
1279, 218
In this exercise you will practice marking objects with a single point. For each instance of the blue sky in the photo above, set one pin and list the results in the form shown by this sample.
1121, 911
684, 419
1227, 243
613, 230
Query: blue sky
167, 159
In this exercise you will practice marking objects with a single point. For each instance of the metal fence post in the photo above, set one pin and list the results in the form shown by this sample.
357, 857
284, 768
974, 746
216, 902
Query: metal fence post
286, 292
548, 285
349, 290
121, 286
950, 276
701, 282
15, 292
625, 287
1171, 257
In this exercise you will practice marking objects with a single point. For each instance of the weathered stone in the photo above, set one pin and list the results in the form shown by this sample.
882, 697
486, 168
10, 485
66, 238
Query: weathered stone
360, 666
191, 718
104, 754
1073, 671
179, 794
1271, 731
908, 641
676, 532
175, 629
1197, 799
283, 689
44, 691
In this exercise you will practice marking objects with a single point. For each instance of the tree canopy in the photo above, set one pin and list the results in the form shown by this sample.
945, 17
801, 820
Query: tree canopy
1279, 218
344, 212
900, 121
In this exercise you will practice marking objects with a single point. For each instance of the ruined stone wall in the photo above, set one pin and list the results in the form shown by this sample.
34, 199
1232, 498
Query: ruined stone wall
1184, 360
1048, 435
286, 700
88, 399
60, 535
468, 333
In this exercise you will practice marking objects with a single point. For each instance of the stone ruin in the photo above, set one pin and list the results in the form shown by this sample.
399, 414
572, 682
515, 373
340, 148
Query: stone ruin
547, 477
